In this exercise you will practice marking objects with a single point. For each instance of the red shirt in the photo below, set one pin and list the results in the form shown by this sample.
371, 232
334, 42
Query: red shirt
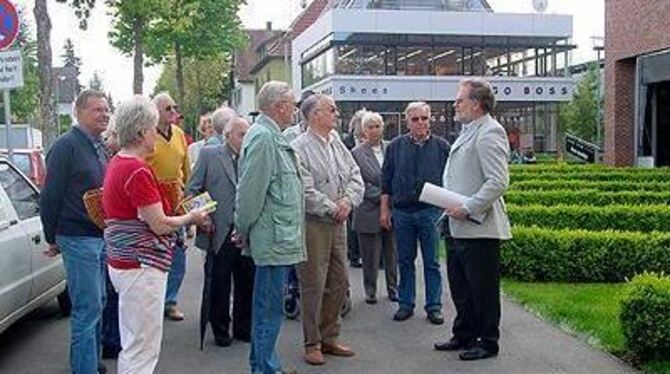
130, 184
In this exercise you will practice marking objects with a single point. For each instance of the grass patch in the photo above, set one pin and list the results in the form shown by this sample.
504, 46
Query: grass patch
588, 310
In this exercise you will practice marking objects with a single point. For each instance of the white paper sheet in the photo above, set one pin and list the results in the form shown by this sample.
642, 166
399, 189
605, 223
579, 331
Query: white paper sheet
443, 198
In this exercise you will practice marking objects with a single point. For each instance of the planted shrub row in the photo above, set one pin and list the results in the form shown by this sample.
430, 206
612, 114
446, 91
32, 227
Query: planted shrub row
650, 176
643, 218
539, 254
645, 316
586, 197
540, 184
566, 168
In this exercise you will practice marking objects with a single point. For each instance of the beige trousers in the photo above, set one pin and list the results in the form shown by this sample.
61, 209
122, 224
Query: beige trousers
323, 282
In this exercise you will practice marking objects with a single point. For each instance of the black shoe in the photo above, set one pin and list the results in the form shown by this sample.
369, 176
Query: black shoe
477, 353
356, 263
403, 314
109, 353
102, 369
453, 344
435, 317
393, 297
371, 300
223, 341
243, 338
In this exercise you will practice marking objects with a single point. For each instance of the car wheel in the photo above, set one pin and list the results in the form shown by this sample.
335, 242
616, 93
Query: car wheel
64, 303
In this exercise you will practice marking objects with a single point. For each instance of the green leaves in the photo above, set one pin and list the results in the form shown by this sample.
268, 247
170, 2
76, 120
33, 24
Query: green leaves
645, 316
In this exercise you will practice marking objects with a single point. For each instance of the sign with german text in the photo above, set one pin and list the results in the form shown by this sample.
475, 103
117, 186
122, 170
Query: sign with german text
11, 69
580, 148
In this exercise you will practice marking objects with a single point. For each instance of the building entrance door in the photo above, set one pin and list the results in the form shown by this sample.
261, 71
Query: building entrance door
661, 123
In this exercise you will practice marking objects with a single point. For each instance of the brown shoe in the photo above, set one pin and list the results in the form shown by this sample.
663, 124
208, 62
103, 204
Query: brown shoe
313, 356
336, 349
173, 314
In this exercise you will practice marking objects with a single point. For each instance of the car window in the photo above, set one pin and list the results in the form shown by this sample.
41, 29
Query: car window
22, 162
22, 195
6, 211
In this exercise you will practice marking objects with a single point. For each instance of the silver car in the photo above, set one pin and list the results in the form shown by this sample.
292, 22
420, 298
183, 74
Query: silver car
28, 278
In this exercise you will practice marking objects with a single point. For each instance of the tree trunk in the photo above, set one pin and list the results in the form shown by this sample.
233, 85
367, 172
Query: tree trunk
138, 42
46, 116
179, 72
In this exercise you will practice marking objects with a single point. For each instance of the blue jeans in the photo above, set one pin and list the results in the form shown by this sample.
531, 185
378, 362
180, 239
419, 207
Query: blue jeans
84, 260
408, 227
177, 271
267, 315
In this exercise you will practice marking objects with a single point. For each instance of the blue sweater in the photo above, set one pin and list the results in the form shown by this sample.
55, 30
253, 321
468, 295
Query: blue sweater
407, 166
72, 169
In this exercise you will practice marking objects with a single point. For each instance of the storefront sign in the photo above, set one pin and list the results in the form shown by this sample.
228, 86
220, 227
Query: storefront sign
403, 88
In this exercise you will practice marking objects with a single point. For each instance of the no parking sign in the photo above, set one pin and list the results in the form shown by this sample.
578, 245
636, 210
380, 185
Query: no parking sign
9, 24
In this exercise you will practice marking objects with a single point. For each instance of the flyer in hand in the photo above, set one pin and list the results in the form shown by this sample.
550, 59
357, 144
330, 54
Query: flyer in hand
199, 201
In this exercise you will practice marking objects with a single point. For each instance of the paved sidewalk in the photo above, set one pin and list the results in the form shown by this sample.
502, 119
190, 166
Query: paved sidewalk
528, 345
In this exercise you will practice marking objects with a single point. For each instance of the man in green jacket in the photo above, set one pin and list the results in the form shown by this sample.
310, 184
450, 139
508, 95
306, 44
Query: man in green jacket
270, 214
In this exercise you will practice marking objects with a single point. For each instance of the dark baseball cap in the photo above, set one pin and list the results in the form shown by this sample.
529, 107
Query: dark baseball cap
304, 96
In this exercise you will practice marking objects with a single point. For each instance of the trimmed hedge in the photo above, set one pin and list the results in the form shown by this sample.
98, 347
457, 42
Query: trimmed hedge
645, 316
613, 217
537, 254
589, 168
604, 175
614, 186
586, 197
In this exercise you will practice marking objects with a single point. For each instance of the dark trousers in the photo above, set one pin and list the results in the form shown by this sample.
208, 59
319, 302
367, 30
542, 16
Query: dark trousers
353, 250
111, 338
473, 270
226, 266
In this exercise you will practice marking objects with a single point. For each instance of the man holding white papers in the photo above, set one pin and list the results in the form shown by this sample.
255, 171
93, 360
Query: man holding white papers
477, 168
216, 172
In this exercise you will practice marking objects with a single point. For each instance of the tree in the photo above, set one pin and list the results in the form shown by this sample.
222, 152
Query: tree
96, 82
128, 32
580, 116
193, 29
203, 84
46, 119
69, 56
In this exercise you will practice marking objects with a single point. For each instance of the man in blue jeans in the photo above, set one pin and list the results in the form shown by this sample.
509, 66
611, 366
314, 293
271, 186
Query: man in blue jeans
270, 215
75, 164
410, 161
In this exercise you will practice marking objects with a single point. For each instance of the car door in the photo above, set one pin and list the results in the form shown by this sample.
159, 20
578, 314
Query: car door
15, 256
46, 272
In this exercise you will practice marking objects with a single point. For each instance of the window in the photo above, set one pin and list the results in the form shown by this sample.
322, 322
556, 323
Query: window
22, 195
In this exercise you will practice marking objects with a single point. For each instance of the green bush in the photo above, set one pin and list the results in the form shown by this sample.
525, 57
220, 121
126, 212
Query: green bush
586, 168
612, 217
538, 254
645, 316
614, 186
586, 197
649, 175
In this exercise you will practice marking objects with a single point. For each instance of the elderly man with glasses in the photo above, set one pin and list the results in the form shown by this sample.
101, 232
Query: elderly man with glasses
410, 161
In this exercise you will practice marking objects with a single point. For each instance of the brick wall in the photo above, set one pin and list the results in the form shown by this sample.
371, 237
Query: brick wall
632, 28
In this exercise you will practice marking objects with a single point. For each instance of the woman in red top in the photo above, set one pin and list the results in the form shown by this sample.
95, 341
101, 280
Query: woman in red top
138, 235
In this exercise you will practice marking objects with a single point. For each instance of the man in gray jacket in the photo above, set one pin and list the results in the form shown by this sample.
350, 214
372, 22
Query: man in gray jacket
477, 168
216, 173
333, 187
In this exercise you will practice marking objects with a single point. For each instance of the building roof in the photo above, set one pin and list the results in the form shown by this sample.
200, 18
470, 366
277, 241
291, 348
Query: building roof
304, 20
247, 58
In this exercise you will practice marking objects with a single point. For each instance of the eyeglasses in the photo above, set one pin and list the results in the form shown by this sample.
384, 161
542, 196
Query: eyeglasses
330, 110
422, 118
172, 108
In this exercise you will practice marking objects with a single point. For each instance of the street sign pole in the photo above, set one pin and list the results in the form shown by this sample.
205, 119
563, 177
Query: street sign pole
8, 124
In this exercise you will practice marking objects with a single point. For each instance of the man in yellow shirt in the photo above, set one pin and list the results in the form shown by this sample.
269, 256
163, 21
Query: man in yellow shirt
170, 162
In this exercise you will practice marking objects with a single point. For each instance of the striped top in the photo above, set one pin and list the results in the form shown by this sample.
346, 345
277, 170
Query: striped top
131, 244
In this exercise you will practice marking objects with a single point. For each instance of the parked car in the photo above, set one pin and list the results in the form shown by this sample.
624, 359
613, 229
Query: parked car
31, 163
28, 278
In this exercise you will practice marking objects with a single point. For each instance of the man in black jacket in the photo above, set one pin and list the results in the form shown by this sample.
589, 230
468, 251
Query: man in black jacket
75, 164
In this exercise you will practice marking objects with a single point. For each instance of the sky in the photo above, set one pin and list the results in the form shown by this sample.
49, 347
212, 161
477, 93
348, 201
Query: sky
116, 70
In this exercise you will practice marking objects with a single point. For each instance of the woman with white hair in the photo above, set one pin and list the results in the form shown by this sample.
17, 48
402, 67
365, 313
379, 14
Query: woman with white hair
138, 236
374, 241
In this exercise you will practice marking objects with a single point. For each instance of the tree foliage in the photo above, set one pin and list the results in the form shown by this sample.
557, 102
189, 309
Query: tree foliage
580, 116
96, 82
69, 55
203, 82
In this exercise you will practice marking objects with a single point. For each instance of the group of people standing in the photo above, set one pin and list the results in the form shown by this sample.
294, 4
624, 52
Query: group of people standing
285, 194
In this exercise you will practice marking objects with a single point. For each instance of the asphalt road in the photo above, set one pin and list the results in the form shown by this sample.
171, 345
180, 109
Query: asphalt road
39, 342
